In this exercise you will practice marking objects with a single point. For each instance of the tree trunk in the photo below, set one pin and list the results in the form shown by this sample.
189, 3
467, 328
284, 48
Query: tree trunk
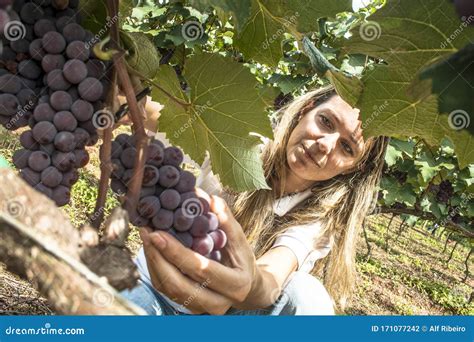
38, 243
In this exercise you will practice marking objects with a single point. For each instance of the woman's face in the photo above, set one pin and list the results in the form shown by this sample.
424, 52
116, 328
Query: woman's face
326, 142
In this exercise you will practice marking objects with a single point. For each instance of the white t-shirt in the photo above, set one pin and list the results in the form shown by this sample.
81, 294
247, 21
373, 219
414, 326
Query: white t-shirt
299, 239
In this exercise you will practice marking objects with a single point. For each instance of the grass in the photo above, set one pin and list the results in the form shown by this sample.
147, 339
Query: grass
406, 276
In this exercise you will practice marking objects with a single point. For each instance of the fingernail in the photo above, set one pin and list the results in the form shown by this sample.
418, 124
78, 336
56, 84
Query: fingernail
158, 240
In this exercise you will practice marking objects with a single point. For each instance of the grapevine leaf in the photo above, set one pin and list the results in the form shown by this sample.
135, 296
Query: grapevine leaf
470, 209
392, 155
438, 209
347, 86
309, 11
94, 14
428, 167
288, 83
408, 36
240, 9
262, 35
452, 78
126, 8
396, 193
403, 146
142, 54
224, 108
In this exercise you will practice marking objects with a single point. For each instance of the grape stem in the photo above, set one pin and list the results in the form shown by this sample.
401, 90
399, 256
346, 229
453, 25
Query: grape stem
135, 113
106, 148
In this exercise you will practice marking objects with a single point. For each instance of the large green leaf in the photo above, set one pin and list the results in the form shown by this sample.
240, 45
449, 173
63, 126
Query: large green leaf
263, 33
94, 14
452, 79
407, 35
142, 54
240, 9
224, 107
394, 192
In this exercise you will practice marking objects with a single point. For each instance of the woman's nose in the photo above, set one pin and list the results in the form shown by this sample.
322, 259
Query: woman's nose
328, 142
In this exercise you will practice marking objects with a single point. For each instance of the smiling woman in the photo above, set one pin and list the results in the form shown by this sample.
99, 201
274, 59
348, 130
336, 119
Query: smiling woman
323, 177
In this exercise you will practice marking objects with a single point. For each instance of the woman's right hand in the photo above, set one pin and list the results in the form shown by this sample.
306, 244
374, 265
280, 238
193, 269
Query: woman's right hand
234, 278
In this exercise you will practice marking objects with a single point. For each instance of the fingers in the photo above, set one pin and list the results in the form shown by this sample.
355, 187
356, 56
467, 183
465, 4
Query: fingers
224, 280
169, 280
227, 222
144, 235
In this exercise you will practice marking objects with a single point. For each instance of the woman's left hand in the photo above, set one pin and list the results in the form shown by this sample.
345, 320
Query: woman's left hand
222, 285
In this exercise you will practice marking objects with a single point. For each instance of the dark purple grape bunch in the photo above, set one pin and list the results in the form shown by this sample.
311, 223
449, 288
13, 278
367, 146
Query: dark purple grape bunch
168, 200
66, 85
445, 192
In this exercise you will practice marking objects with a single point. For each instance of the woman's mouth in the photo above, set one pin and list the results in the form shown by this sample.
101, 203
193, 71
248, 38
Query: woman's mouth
308, 156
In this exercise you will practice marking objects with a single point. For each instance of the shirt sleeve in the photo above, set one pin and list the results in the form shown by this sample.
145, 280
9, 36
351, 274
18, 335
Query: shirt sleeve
301, 241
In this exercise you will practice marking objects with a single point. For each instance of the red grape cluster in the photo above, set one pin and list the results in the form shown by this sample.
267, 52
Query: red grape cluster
51, 81
168, 198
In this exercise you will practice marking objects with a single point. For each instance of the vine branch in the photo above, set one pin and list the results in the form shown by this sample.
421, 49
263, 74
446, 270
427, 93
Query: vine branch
427, 216
136, 116
106, 147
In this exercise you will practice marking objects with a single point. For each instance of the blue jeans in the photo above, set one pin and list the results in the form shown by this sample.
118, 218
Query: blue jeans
302, 295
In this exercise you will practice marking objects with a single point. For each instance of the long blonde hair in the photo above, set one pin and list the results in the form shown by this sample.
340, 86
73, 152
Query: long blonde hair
339, 204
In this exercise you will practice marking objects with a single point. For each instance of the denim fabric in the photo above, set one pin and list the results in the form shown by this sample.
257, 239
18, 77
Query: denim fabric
302, 295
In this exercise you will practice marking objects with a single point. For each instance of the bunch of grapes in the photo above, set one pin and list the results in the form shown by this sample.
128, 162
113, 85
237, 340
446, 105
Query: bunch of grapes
465, 9
168, 198
51, 81
445, 191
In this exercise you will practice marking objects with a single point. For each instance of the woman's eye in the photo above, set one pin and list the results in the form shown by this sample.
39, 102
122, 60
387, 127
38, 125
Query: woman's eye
326, 122
347, 148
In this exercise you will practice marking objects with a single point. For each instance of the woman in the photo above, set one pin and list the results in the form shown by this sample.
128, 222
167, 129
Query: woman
323, 177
